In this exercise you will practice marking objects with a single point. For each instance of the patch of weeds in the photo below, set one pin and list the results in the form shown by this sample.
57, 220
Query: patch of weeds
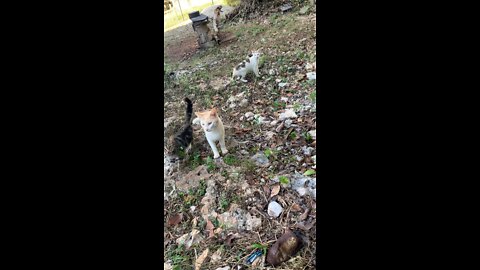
202, 223
255, 30
195, 160
215, 222
301, 55
248, 165
179, 257
268, 152
313, 96
278, 105
261, 61
230, 160
284, 180
307, 137
210, 164
207, 102
293, 135
224, 203
202, 189
261, 247
296, 107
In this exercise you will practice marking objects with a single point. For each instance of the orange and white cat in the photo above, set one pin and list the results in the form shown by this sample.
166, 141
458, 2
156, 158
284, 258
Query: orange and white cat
214, 131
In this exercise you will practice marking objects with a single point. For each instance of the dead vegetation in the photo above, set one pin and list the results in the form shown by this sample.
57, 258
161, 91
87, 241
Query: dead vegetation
217, 211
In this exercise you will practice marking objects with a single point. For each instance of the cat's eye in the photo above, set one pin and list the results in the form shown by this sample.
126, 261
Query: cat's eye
209, 123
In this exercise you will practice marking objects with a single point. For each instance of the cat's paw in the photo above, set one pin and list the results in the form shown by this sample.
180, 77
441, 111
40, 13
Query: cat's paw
224, 151
215, 156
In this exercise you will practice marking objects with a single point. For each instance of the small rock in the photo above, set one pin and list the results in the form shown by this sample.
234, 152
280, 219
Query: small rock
278, 80
284, 99
304, 10
282, 84
261, 160
273, 123
274, 209
279, 148
240, 95
271, 72
244, 102
313, 133
288, 123
312, 75
244, 152
249, 115
289, 113
307, 150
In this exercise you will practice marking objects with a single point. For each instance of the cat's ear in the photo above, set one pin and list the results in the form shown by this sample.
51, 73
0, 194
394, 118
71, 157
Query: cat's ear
213, 112
198, 114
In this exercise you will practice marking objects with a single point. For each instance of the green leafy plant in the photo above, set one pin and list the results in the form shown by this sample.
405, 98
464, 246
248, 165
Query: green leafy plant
284, 180
230, 159
309, 172
210, 164
263, 248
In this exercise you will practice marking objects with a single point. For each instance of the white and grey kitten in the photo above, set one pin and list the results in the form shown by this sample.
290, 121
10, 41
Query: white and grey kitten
249, 65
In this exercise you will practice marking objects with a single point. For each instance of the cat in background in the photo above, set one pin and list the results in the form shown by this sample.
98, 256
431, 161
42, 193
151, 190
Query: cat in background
179, 144
249, 65
216, 23
214, 130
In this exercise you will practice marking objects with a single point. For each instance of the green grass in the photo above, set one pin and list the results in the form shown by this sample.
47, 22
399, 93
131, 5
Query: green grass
230, 160
283, 180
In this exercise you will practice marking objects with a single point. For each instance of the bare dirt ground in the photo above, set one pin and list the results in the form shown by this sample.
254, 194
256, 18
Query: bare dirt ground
217, 211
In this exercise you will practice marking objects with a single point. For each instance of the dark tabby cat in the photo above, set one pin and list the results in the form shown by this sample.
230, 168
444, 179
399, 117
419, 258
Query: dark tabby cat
179, 144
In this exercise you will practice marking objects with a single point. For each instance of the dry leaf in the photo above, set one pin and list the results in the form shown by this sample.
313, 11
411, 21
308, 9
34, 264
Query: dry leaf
216, 256
210, 228
304, 215
230, 238
200, 259
304, 226
275, 190
266, 190
175, 219
295, 208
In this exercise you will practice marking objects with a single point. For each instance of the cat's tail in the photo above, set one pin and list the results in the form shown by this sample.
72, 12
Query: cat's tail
189, 110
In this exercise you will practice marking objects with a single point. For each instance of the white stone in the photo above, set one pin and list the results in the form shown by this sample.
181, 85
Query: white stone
284, 99
288, 123
274, 209
312, 75
289, 113
313, 133
273, 123
249, 114
244, 102
282, 84
270, 135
